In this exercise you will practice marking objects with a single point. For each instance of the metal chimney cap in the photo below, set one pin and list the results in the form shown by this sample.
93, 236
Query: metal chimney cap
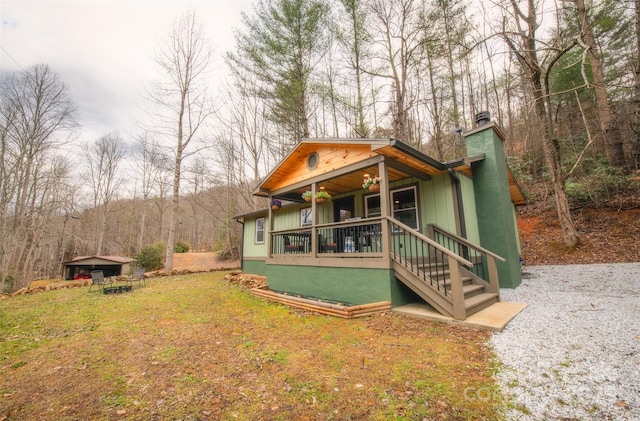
483, 117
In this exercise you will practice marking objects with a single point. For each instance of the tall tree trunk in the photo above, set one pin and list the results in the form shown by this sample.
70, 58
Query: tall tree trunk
525, 49
437, 123
611, 132
175, 199
636, 93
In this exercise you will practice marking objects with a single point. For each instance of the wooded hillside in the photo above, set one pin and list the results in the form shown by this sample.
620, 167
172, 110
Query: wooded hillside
561, 78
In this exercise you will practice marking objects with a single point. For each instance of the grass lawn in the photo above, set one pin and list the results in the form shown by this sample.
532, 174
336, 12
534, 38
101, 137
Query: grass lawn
194, 347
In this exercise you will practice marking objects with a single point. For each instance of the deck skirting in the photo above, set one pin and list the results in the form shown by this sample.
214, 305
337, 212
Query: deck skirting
331, 309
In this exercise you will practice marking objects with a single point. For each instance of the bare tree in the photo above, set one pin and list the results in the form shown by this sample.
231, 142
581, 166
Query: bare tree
399, 36
636, 92
36, 118
355, 39
522, 40
611, 131
151, 165
103, 158
183, 100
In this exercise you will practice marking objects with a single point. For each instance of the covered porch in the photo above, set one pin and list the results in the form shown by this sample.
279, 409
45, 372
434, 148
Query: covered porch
384, 229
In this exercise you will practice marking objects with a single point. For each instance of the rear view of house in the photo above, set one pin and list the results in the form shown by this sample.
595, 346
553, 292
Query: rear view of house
399, 226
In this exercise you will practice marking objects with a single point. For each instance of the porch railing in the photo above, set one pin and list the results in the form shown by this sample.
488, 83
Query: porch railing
428, 260
358, 238
484, 261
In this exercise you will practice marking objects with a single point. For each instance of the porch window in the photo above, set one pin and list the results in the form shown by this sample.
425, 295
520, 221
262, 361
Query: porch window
405, 206
260, 231
372, 206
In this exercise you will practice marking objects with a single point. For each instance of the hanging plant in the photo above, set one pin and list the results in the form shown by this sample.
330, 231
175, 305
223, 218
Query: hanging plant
276, 204
307, 196
372, 183
321, 196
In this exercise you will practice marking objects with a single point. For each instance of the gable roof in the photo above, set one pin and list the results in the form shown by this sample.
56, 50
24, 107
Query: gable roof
341, 163
106, 259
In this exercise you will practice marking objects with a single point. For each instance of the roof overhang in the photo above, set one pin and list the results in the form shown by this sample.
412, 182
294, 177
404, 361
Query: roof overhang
342, 164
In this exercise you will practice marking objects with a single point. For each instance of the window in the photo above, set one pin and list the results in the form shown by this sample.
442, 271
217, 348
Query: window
405, 206
372, 206
306, 217
260, 230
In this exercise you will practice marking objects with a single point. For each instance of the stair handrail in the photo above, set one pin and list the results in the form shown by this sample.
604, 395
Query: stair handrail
468, 243
455, 262
428, 240
492, 281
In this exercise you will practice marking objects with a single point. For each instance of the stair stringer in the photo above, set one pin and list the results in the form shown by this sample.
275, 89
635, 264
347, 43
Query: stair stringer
433, 297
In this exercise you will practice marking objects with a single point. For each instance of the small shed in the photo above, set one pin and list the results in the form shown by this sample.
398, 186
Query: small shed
81, 266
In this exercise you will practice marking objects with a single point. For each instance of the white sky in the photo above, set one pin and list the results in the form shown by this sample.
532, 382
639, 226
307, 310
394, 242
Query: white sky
104, 49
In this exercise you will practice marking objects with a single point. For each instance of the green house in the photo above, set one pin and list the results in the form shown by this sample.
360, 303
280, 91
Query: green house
440, 232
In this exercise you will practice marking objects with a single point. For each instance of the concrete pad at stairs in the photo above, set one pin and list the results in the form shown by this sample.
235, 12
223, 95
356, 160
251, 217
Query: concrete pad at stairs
493, 318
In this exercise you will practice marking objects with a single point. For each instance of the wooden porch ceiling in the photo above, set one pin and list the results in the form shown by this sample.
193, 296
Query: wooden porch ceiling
342, 165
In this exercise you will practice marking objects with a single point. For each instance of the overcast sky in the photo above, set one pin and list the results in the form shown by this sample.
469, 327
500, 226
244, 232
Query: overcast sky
104, 50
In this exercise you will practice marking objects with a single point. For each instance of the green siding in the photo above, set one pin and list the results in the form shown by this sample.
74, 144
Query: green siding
350, 286
254, 267
250, 247
436, 203
346, 285
288, 217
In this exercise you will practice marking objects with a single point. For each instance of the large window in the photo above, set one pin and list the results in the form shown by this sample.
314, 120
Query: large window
260, 230
405, 206
404, 203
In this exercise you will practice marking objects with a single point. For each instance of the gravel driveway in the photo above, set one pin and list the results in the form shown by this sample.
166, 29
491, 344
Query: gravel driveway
574, 352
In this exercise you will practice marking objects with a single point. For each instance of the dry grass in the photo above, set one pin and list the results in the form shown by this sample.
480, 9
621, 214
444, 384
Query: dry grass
194, 347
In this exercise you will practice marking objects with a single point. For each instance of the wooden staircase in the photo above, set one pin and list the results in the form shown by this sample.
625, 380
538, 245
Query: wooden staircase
443, 278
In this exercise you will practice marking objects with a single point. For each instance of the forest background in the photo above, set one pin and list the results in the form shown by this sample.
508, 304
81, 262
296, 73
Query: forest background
561, 78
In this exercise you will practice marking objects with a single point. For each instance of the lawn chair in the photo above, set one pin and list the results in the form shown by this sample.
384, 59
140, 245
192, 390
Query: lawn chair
138, 276
97, 278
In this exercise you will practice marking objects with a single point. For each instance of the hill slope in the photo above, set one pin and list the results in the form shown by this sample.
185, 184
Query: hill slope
607, 235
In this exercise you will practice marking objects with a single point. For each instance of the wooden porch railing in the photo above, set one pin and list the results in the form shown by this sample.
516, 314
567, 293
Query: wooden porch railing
359, 238
484, 261
435, 266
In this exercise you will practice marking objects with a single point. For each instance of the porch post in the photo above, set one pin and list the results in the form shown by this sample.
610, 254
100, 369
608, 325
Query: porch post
314, 221
385, 207
457, 292
268, 236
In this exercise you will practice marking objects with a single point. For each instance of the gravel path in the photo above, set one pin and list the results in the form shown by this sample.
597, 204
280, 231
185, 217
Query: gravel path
574, 352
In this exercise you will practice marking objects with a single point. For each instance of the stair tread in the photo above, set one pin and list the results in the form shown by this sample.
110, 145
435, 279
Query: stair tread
447, 281
472, 288
479, 299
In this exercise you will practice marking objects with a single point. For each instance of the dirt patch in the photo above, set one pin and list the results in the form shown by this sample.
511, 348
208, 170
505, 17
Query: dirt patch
202, 262
607, 235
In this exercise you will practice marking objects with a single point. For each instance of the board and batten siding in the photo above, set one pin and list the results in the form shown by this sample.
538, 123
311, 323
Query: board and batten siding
251, 248
288, 217
436, 203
